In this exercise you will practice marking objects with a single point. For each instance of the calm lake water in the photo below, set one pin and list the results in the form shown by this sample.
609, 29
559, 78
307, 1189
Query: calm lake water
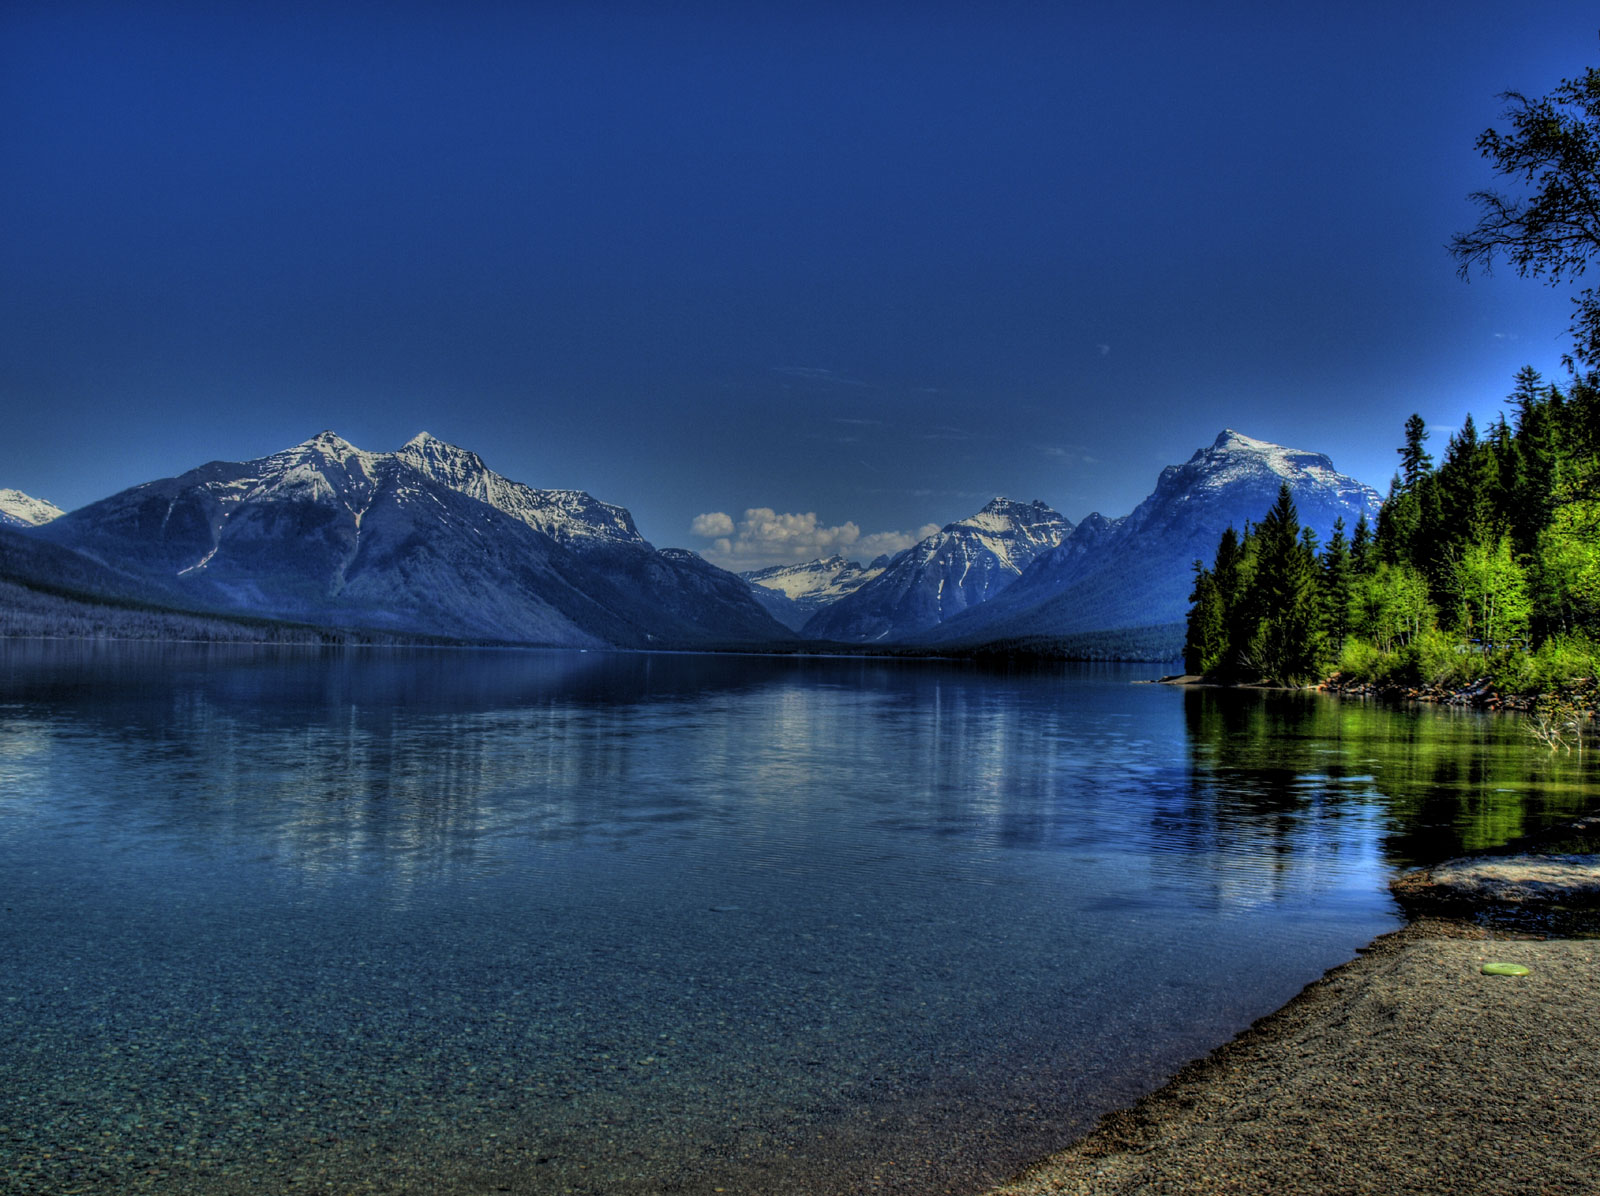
468, 922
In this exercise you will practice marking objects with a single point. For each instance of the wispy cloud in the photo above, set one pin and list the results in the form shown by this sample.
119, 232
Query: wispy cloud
767, 537
1074, 453
817, 375
1104, 350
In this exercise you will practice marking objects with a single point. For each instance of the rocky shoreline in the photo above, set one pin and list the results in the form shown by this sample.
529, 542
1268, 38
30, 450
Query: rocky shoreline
1584, 694
1413, 1068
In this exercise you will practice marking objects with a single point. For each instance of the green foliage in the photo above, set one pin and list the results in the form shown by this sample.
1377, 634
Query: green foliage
1491, 594
1502, 541
1434, 658
1362, 660
1552, 148
1558, 662
1391, 606
1205, 636
1495, 554
1567, 571
1287, 642
1415, 462
1337, 589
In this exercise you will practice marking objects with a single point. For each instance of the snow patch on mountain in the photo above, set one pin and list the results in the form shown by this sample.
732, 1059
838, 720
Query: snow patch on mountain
570, 516
962, 565
1136, 571
1234, 459
817, 581
21, 510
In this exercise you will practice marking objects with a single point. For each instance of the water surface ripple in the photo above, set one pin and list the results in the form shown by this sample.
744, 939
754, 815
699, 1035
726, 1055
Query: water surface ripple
464, 922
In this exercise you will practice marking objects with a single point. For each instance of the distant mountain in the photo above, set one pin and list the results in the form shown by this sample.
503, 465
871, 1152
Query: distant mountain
1136, 571
20, 510
792, 594
702, 602
960, 566
426, 540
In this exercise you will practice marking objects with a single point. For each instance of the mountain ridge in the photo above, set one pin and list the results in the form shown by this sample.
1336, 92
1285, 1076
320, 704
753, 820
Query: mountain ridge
325, 531
1136, 570
963, 564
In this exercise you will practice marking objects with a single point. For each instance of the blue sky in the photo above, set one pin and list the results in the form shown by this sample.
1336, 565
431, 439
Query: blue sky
862, 266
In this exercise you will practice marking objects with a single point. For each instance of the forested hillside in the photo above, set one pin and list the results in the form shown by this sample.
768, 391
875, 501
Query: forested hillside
1487, 563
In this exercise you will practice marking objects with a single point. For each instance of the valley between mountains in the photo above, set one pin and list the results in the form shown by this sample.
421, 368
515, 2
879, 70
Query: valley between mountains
428, 541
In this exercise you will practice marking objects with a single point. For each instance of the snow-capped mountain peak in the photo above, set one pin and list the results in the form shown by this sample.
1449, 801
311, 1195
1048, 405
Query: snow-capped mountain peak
1235, 460
1136, 571
21, 510
458, 468
571, 516
961, 565
425, 539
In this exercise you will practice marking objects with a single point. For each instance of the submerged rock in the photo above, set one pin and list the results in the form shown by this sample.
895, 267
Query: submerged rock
1500, 880
1548, 882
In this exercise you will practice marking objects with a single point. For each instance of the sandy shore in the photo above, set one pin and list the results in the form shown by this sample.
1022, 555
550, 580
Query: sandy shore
1406, 1071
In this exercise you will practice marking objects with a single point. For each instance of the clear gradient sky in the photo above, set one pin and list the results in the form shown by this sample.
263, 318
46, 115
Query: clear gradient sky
869, 264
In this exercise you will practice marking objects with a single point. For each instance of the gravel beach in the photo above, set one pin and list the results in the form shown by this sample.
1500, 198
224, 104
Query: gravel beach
1407, 1070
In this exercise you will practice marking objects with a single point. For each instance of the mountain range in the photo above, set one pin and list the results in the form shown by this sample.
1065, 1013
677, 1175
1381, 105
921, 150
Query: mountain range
961, 566
427, 540
1136, 570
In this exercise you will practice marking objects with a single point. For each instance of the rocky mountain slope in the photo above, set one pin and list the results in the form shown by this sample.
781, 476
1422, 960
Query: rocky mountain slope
424, 540
962, 565
1136, 571
21, 510
792, 594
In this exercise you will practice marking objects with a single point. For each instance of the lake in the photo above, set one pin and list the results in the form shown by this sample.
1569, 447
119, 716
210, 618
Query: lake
432, 921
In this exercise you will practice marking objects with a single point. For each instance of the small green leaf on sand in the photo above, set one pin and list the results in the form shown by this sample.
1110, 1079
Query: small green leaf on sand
1497, 968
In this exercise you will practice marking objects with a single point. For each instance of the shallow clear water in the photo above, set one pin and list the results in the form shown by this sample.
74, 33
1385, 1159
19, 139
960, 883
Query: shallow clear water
468, 922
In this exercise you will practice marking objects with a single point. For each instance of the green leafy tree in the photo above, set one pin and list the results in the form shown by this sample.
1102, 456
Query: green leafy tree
1551, 149
1392, 606
1567, 569
1492, 594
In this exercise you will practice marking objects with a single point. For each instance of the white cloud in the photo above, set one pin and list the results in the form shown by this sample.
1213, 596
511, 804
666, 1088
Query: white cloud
716, 523
767, 537
879, 543
1105, 350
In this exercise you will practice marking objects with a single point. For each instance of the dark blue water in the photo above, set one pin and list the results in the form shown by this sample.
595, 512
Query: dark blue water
466, 922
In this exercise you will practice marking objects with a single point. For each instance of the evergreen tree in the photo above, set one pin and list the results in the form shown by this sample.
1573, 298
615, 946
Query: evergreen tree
1288, 643
1398, 521
1534, 448
1361, 560
1469, 484
1205, 637
1337, 570
1414, 459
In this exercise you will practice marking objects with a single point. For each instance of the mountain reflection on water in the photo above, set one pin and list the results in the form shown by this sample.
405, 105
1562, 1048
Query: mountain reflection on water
611, 922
